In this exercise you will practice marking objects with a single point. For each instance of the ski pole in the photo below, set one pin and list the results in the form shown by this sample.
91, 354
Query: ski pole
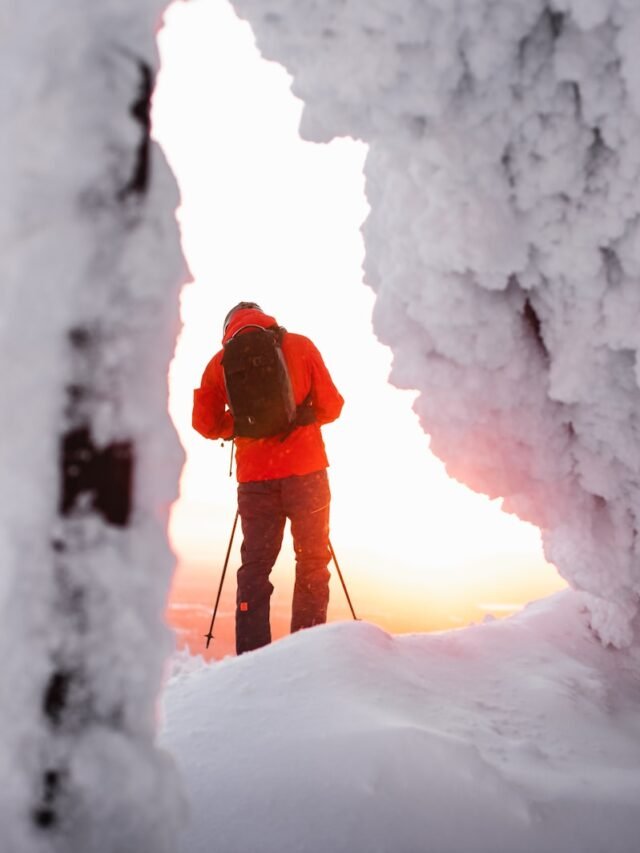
209, 636
344, 586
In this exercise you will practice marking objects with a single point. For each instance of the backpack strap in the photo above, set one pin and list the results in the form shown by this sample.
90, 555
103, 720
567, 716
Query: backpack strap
279, 332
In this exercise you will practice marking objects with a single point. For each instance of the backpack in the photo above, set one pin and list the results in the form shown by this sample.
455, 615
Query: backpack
258, 383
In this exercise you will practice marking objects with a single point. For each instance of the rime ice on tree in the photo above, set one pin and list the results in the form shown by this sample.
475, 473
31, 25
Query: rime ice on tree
91, 271
503, 245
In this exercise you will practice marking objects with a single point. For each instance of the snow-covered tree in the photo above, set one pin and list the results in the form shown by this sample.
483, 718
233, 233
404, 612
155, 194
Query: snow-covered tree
503, 244
91, 272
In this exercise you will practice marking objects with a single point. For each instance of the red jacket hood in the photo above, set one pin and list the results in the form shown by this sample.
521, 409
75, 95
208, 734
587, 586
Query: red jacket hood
247, 317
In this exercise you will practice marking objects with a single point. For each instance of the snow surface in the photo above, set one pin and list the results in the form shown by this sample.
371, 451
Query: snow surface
91, 269
503, 244
514, 736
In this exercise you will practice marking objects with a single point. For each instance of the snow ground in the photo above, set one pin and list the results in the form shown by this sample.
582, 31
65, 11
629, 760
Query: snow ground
519, 735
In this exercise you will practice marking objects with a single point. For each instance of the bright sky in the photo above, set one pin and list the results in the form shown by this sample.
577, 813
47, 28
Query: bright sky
269, 218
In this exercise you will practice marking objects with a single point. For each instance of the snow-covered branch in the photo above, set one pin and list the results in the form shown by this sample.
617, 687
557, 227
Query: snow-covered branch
503, 244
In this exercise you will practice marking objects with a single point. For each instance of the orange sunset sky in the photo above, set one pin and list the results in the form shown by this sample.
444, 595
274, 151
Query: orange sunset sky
267, 217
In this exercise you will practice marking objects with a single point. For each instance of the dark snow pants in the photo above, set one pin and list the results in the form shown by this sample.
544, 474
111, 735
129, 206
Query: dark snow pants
264, 507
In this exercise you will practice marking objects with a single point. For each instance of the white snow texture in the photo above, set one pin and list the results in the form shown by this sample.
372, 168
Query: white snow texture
504, 248
88, 320
515, 736
503, 244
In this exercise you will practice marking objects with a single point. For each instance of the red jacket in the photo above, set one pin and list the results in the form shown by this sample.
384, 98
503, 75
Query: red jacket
302, 452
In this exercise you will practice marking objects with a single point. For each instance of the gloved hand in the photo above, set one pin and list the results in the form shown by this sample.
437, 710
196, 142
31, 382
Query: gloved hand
305, 413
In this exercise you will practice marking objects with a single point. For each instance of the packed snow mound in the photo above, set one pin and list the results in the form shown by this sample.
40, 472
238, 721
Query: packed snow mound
511, 736
503, 244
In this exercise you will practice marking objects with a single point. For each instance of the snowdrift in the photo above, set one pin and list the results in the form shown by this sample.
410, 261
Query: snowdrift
503, 244
514, 736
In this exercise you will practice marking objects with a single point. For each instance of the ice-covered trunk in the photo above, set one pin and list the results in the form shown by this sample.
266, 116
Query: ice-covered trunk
503, 244
91, 272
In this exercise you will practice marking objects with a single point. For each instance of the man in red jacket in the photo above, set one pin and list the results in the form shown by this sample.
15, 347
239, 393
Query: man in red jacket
279, 477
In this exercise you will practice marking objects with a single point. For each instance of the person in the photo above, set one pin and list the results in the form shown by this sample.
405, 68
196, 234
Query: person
283, 476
